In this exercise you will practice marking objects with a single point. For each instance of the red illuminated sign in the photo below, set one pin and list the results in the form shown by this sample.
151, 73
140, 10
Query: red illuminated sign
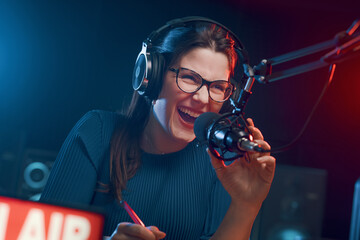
27, 220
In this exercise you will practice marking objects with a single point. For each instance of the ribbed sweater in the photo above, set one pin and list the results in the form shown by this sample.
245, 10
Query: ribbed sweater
177, 192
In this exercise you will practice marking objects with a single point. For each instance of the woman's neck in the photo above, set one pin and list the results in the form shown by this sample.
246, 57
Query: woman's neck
156, 140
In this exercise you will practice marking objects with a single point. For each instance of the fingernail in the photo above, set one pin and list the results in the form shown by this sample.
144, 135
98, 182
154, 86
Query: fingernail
161, 234
158, 231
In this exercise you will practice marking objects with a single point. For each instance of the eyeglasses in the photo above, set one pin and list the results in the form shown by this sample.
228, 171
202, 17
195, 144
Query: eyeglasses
189, 81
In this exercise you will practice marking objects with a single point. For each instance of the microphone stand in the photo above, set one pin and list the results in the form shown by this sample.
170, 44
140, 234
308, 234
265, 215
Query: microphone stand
345, 45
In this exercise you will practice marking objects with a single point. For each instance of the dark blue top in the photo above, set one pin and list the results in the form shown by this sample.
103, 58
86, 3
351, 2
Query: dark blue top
178, 192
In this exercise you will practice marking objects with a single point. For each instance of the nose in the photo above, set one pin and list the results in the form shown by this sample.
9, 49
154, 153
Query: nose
202, 95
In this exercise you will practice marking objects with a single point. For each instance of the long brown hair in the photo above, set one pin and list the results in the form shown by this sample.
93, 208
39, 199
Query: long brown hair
125, 152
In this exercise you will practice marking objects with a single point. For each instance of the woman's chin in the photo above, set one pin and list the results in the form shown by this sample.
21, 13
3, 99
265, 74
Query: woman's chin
184, 136
182, 131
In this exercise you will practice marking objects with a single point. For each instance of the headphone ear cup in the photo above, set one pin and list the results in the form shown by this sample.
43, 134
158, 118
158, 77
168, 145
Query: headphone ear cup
156, 63
139, 80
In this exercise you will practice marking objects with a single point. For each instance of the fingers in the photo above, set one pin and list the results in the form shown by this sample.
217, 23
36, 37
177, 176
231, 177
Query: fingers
263, 144
267, 164
250, 122
158, 234
130, 231
268, 161
254, 130
217, 164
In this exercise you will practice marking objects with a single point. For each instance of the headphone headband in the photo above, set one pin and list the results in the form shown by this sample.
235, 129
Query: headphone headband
182, 22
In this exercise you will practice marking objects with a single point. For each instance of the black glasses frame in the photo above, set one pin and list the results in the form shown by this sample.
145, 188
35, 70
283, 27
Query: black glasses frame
203, 81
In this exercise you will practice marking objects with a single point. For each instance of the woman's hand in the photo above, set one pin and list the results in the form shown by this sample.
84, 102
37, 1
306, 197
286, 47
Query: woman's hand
247, 182
132, 231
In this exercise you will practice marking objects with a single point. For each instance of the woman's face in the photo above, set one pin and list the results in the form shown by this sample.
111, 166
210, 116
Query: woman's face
175, 111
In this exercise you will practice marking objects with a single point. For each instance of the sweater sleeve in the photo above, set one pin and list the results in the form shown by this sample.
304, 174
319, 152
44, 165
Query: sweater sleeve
74, 174
218, 205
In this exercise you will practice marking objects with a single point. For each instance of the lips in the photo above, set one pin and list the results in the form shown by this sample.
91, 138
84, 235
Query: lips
188, 115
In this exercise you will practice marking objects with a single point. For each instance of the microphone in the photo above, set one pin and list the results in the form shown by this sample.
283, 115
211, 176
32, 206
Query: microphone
221, 132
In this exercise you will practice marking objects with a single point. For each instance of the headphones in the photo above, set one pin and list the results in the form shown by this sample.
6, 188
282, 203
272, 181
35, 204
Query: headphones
149, 66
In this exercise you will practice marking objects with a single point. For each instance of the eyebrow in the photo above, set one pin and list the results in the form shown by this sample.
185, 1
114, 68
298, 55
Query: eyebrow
200, 74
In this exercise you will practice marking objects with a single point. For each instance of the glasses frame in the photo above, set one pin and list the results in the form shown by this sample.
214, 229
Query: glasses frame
203, 81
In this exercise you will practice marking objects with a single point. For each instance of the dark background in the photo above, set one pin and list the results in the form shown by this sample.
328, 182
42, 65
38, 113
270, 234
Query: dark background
60, 59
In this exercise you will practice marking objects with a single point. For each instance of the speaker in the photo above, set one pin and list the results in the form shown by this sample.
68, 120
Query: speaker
36, 167
294, 208
11, 150
8, 172
355, 215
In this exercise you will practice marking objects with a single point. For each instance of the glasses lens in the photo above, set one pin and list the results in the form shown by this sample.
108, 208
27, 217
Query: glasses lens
220, 90
188, 81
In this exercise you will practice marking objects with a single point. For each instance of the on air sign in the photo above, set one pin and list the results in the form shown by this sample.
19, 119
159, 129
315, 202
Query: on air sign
27, 220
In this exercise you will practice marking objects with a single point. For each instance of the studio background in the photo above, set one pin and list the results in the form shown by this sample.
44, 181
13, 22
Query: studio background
60, 59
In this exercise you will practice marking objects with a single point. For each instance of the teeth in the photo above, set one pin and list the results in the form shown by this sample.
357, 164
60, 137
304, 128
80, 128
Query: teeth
189, 112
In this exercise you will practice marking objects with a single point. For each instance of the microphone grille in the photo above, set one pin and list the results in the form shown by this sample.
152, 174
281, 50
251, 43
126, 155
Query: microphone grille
203, 123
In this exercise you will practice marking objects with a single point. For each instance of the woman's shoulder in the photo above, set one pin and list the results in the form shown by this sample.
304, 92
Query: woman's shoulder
100, 118
97, 124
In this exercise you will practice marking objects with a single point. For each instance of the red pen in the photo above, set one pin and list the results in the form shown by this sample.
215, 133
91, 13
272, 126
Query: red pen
131, 213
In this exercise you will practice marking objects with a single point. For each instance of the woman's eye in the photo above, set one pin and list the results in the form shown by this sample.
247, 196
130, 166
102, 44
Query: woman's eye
219, 87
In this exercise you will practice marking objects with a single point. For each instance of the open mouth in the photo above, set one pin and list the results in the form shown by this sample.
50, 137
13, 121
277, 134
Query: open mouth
187, 115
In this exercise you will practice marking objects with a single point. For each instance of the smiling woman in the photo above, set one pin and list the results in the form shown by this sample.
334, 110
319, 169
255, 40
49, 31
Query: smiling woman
148, 157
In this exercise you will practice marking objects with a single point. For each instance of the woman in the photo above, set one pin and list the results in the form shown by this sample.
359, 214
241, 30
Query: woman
155, 163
